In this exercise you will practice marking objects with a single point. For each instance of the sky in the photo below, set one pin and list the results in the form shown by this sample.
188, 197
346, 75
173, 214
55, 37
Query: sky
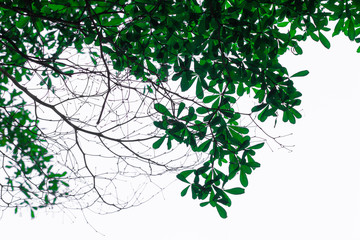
310, 193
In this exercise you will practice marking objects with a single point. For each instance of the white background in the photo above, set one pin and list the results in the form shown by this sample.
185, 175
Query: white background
311, 193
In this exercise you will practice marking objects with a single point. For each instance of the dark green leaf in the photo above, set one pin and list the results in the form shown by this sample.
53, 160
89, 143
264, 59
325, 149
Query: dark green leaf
243, 179
211, 98
194, 192
203, 204
181, 108
162, 109
65, 183
298, 49
158, 143
301, 74
199, 90
200, 70
240, 90
296, 113
351, 30
221, 211
242, 130
258, 107
204, 146
93, 61
257, 146
253, 164
184, 174
151, 67
338, 27
235, 191
114, 22
283, 24
285, 117
314, 36
23, 21
89, 39
184, 191
291, 117
324, 40
186, 81
202, 110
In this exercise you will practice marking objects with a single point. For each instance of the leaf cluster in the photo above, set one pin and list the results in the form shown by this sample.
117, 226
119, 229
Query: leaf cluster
220, 50
28, 168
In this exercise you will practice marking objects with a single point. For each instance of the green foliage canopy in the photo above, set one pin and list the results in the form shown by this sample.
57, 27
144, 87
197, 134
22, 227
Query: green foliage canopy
217, 50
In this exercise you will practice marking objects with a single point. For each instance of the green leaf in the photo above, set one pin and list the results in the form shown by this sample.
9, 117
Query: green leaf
204, 146
282, 24
184, 191
238, 139
151, 67
240, 90
211, 98
298, 49
93, 61
301, 74
181, 108
258, 107
253, 164
55, 7
107, 50
186, 81
200, 70
235, 191
184, 174
296, 113
42, 184
221, 211
338, 27
22, 22
351, 30
158, 143
202, 110
314, 36
324, 40
199, 90
176, 76
246, 169
285, 117
65, 183
194, 192
114, 22
257, 146
291, 117
3, 88
162, 109
89, 39
203, 204
242, 130
243, 179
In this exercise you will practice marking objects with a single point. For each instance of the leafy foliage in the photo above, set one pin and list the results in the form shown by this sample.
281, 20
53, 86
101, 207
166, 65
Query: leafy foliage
217, 50
28, 167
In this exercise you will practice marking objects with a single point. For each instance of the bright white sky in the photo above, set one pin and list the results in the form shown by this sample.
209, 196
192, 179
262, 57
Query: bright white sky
312, 193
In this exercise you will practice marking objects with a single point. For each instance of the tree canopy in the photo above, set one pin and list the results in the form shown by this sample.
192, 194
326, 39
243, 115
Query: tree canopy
99, 98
